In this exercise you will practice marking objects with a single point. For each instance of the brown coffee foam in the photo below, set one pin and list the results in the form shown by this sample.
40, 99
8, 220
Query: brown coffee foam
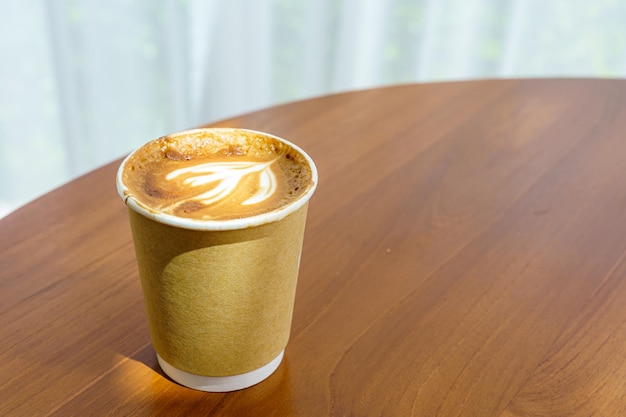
219, 303
145, 171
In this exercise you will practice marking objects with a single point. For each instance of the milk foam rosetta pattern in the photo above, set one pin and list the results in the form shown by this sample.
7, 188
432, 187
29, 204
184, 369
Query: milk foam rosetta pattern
219, 181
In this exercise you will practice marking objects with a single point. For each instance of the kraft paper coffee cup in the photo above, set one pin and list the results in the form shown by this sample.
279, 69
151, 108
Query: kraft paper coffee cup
219, 294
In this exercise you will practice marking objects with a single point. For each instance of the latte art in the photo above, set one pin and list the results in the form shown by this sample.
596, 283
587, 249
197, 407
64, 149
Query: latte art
222, 180
216, 174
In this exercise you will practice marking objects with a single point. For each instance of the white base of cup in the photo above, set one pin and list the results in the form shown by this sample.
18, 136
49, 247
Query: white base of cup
220, 383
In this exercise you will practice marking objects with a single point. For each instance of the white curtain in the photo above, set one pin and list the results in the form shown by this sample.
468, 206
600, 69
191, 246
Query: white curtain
83, 82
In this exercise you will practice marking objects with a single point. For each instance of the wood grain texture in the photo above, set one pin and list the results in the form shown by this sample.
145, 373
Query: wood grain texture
464, 256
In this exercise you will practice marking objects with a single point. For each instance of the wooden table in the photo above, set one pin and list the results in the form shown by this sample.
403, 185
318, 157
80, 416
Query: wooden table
464, 256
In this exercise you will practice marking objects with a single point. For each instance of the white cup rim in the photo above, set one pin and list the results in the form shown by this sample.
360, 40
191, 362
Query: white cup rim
227, 224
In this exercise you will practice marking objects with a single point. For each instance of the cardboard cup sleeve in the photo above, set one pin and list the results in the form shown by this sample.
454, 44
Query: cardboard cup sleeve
219, 303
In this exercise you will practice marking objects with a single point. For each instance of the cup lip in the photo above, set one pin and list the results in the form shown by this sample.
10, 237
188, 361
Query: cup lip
227, 224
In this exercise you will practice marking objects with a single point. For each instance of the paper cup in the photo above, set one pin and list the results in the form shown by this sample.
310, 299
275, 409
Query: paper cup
219, 295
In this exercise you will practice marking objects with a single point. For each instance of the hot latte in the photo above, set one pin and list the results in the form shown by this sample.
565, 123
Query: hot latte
216, 174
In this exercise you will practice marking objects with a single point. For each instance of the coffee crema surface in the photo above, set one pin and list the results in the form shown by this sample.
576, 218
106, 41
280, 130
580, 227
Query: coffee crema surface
216, 174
